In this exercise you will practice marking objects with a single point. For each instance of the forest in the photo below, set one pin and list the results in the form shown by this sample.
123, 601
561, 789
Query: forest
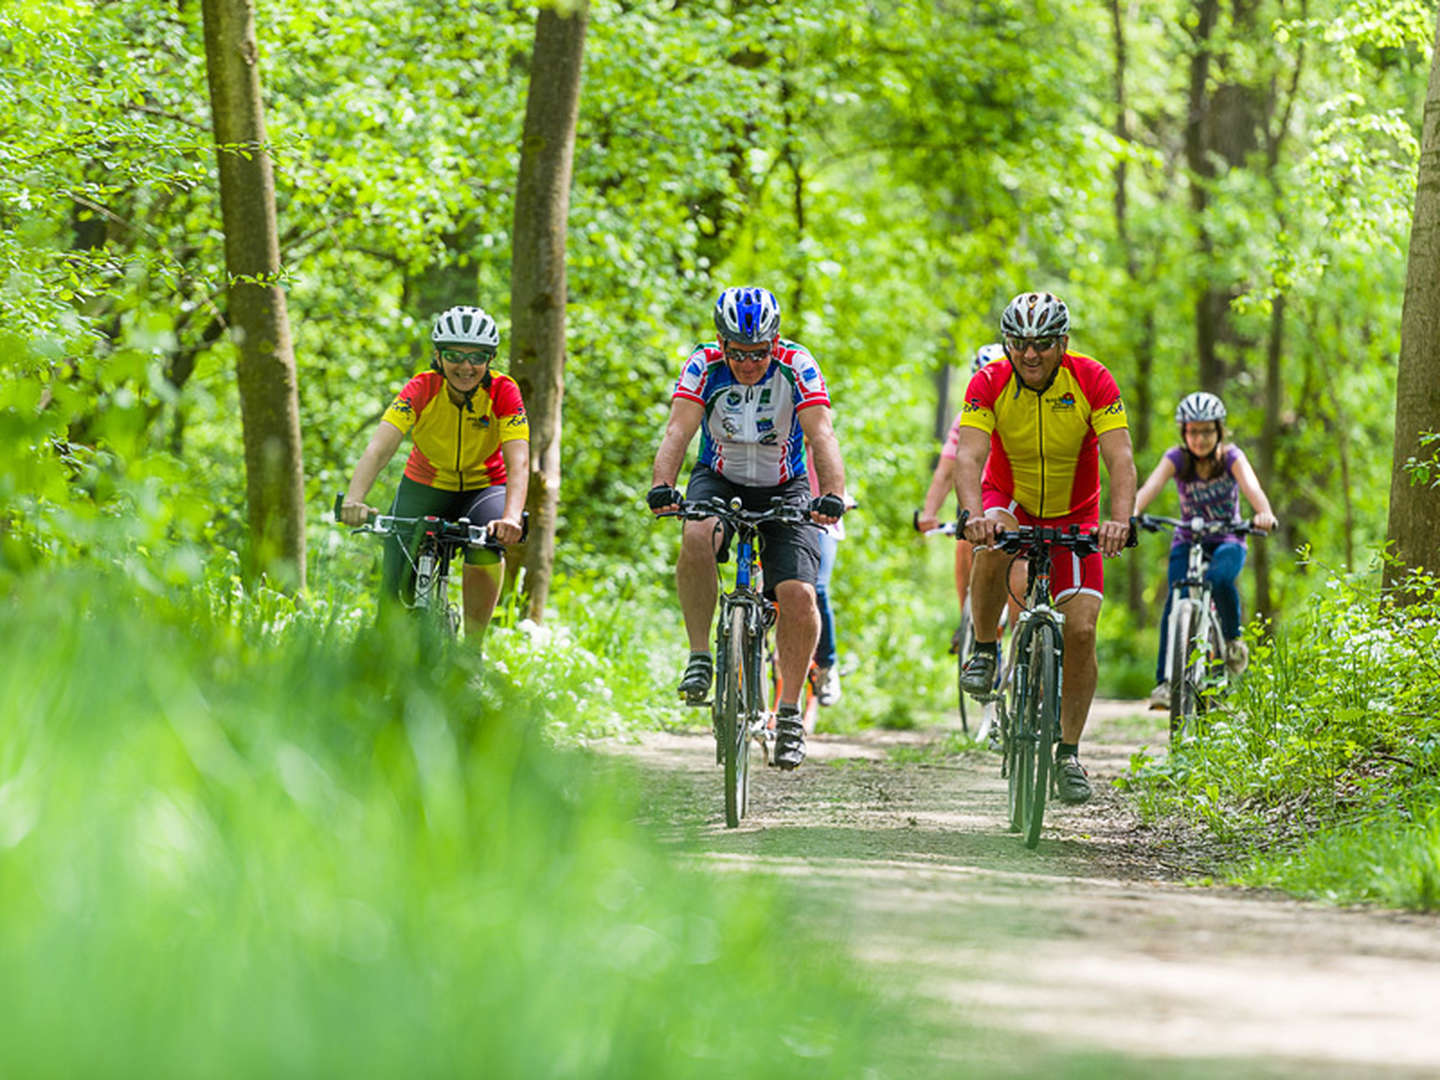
226, 229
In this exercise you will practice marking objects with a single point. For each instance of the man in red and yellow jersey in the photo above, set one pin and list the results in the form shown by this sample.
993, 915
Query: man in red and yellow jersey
1032, 434
470, 457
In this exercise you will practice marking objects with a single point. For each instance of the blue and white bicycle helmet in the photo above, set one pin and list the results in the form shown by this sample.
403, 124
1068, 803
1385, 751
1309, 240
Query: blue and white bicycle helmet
747, 316
1035, 315
987, 354
1199, 407
465, 326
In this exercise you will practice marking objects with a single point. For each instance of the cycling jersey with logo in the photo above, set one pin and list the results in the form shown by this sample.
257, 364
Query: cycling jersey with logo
458, 448
751, 435
1043, 446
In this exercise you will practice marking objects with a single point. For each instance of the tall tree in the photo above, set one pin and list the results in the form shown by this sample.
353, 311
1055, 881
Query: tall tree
1414, 524
537, 278
259, 321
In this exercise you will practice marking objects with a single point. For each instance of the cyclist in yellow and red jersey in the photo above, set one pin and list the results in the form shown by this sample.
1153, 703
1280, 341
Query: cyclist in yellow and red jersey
1032, 434
470, 456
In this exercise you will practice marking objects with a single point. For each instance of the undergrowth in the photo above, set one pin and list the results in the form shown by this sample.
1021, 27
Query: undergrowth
1321, 772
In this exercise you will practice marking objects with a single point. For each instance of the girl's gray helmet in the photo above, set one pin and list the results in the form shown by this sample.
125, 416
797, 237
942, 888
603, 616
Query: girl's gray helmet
465, 326
1199, 407
748, 316
1035, 314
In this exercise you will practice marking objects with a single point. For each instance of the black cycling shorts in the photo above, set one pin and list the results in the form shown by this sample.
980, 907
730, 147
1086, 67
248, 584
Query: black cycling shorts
787, 552
414, 499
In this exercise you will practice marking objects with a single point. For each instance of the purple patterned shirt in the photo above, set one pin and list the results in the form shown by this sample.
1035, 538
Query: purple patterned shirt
1216, 499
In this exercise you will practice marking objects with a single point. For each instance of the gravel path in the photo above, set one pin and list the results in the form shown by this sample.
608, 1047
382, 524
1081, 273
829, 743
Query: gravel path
902, 853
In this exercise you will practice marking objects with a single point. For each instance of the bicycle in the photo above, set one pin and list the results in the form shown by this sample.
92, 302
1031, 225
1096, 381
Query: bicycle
738, 712
430, 544
1028, 700
1195, 646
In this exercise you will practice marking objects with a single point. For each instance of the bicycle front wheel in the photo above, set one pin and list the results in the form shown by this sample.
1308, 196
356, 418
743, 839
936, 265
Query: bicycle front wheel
1043, 721
734, 727
1017, 746
1183, 688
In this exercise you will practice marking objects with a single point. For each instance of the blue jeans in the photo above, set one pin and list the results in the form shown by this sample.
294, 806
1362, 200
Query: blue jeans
825, 647
1226, 562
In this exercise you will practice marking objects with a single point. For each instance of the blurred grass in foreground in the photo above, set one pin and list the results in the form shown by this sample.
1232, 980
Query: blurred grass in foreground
225, 853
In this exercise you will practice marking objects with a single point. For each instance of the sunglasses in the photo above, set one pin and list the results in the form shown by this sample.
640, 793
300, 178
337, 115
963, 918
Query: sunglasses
458, 356
737, 355
1039, 344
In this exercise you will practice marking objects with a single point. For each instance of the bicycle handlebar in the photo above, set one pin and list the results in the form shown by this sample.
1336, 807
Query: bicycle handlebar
734, 514
1198, 526
459, 532
1027, 538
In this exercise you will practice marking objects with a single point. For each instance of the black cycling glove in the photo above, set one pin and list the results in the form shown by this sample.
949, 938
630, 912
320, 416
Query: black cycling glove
662, 495
828, 506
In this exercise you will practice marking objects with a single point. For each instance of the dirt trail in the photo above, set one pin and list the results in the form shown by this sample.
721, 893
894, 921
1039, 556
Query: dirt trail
906, 857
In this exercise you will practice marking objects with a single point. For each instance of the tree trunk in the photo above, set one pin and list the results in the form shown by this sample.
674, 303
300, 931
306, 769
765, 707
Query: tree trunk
1140, 401
269, 408
1413, 533
1269, 438
537, 279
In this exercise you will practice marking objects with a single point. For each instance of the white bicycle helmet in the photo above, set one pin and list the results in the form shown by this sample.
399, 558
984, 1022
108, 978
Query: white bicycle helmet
748, 316
465, 326
1034, 315
987, 354
1199, 407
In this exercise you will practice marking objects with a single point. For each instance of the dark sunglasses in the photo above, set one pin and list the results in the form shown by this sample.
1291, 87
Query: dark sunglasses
737, 355
457, 357
1039, 344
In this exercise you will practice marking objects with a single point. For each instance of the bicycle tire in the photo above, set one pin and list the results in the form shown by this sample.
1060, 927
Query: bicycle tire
1043, 722
1182, 684
734, 725
1018, 749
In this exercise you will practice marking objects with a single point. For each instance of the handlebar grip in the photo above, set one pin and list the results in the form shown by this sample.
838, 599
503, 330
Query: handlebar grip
339, 504
524, 525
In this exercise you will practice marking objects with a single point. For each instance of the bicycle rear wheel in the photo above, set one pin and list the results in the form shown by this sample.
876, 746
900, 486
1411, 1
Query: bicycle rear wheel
1043, 720
1183, 688
734, 726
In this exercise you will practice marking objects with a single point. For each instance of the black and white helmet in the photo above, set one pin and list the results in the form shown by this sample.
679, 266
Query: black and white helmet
748, 316
1199, 407
1035, 315
465, 326
987, 354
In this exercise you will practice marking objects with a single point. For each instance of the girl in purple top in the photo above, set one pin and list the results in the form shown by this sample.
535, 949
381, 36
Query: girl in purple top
1210, 476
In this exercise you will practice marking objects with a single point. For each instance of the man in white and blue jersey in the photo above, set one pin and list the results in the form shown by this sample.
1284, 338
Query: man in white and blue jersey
755, 398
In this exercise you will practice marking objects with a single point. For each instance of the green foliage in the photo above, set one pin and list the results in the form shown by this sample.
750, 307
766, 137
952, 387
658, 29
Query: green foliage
297, 852
1425, 471
1330, 744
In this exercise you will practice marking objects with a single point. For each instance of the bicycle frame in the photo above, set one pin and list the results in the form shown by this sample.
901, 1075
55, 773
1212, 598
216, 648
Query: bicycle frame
1195, 648
738, 712
430, 545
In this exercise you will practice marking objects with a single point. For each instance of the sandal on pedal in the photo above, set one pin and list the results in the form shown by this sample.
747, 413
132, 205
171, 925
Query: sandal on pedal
789, 739
695, 683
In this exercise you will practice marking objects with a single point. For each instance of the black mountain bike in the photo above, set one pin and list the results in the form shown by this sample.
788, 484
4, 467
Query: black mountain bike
1194, 645
1029, 697
738, 702
430, 545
